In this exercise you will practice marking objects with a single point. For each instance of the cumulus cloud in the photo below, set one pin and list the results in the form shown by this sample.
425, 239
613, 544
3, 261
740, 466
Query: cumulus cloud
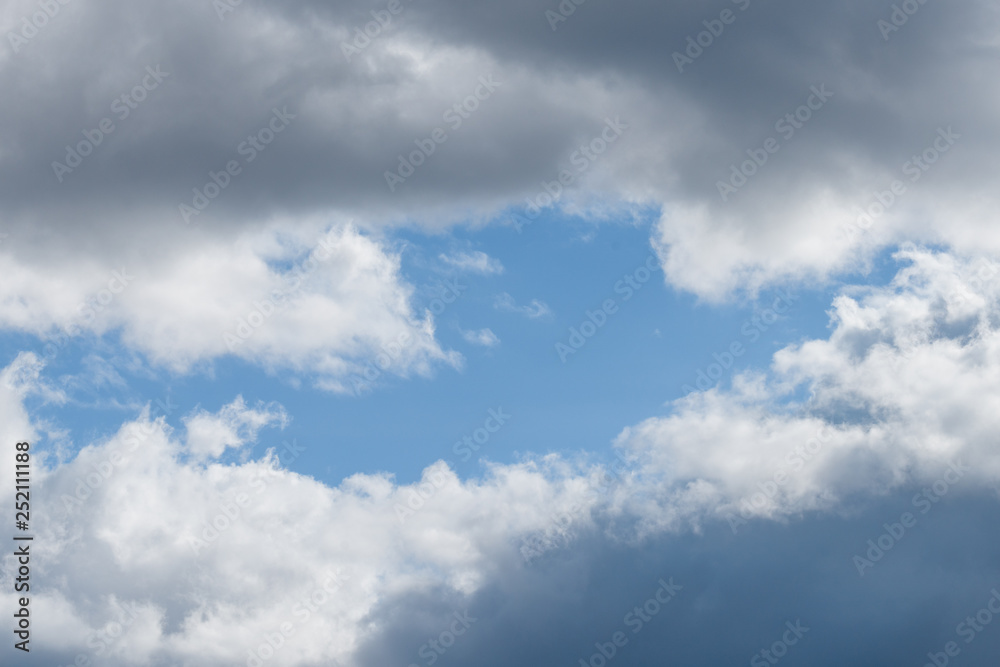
200, 561
318, 302
904, 388
799, 144
879, 157
208, 435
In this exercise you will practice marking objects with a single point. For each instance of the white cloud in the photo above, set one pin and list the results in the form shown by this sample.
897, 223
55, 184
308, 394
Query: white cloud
906, 385
474, 262
313, 302
484, 337
213, 557
534, 310
208, 435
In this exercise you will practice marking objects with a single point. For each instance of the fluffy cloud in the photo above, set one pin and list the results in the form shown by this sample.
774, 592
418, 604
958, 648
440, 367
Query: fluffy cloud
904, 388
196, 561
208, 435
321, 302
200, 562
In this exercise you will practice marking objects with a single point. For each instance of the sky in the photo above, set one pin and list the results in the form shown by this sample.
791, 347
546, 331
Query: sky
434, 333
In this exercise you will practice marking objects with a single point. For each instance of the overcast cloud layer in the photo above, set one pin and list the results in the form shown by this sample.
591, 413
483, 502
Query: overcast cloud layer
221, 81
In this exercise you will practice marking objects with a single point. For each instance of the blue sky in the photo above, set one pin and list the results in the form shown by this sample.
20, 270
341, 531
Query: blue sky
649, 350
616, 371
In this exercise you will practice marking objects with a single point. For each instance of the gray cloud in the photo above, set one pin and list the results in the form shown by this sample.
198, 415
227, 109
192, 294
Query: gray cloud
354, 118
738, 593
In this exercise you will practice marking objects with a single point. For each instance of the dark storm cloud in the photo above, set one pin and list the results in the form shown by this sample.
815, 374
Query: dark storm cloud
739, 593
354, 118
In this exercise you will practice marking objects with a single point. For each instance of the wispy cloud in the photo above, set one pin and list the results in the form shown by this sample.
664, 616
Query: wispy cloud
473, 262
484, 337
534, 310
